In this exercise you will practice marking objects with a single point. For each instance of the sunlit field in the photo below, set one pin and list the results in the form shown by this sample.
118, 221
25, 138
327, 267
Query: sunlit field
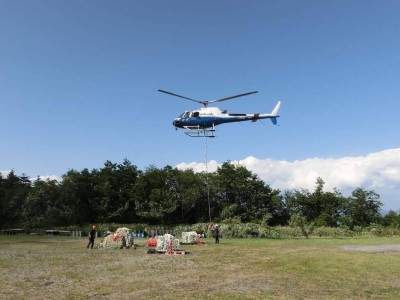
40, 267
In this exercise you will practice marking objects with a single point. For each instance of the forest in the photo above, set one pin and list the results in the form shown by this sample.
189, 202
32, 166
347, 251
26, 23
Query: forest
121, 193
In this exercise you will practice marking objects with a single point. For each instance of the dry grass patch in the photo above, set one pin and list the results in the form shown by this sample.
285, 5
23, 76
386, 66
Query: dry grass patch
54, 267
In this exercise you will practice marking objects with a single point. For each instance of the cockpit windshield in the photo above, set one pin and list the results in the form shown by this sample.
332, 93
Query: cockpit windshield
184, 115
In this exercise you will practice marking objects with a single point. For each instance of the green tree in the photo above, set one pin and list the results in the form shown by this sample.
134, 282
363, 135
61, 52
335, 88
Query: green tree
43, 206
332, 209
326, 207
78, 193
297, 202
391, 219
239, 192
319, 207
362, 208
3, 202
114, 183
155, 194
13, 191
192, 197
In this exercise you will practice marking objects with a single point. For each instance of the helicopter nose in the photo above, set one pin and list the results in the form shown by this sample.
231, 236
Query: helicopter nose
177, 123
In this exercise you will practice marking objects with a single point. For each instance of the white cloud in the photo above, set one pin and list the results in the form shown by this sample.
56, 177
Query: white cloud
378, 171
47, 177
212, 166
4, 173
42, 177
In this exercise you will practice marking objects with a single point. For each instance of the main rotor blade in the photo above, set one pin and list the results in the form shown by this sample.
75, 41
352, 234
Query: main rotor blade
176, 95
231, 97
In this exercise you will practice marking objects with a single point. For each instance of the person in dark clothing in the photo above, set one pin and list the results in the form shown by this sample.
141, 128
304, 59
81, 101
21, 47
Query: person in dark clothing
92, 236
216, 234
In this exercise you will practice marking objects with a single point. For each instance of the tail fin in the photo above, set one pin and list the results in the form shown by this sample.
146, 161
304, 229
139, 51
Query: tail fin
274, 113
276, 109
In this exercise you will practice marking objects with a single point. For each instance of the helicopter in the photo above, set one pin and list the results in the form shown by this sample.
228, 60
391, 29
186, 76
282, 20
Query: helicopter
202, 122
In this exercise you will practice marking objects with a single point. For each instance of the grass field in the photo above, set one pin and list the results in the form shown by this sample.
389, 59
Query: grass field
39, 267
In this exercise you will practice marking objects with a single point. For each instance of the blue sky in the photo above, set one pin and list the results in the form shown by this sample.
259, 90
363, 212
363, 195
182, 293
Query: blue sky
79, 81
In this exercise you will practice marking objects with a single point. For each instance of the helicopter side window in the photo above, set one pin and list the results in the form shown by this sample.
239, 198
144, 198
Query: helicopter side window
196, 114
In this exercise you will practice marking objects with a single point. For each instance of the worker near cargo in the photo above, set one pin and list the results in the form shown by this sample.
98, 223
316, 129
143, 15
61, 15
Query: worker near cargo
216, 233
92, 236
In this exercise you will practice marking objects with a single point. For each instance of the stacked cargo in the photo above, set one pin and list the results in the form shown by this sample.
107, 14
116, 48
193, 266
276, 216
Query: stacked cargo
122, 238
164, 240
189, 237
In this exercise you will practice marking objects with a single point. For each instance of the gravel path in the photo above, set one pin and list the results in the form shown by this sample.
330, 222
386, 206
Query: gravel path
373, 248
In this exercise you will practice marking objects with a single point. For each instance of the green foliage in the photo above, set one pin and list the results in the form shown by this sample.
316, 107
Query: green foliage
362, 208
114, 183
42, 207
391, 219
155, 194
322, 208
297, 220
239, 192
379, 230
122, 194
323, 231
236, 229
13, 192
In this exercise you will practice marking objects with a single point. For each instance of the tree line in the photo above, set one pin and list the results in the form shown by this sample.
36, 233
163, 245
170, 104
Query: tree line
121, 193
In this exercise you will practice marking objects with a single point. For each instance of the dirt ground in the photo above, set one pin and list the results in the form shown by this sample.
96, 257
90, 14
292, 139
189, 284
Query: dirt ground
373, 248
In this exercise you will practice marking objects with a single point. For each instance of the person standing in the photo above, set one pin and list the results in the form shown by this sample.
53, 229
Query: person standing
216, 233
92, 236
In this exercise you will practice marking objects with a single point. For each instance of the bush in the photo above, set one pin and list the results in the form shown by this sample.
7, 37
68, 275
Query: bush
233, 228
379, 230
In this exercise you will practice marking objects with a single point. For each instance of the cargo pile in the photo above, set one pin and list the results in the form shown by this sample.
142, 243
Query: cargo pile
189, 237
192, 237
121, 238
166, 244
164, 240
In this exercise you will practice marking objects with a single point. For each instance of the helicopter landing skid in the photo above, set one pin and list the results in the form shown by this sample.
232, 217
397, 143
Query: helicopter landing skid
200, 133
197, 131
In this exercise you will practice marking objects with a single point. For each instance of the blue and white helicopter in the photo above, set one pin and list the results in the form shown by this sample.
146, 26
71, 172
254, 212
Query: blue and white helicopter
202, 122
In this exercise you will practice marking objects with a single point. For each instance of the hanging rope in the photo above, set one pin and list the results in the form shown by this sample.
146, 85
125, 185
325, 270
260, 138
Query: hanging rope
208, 188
